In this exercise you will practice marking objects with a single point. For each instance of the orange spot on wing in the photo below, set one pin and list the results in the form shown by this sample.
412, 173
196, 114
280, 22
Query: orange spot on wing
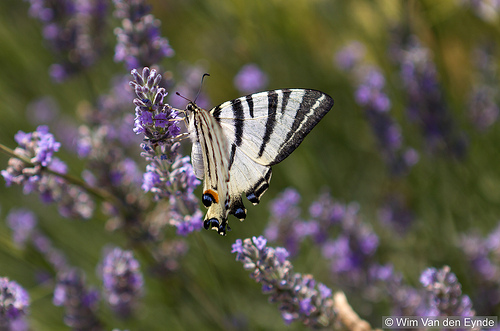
213, 194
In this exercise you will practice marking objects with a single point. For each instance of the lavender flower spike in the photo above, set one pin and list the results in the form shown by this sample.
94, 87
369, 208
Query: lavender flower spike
139, 40
122, 279
152, 116
298, 296
427, 105
79, 303
38, 148
14, 302
445, 293
73, 30
168, 175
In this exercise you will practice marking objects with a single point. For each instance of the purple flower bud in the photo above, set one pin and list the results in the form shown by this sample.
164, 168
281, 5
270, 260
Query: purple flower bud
150, 180
237, 247
260, 242
324, 291
281, 254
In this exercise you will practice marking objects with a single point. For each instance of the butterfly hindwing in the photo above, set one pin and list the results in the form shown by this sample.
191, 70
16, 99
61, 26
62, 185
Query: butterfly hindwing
241, 139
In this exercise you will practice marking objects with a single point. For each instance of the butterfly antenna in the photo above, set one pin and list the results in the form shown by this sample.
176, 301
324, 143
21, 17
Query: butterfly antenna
177, 93
201, 85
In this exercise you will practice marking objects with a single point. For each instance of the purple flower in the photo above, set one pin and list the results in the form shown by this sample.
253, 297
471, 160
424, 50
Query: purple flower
281, 254
324, 291
79, 303
305, 306
350, 56
73, 30
445, 294
482, 256
285, 224
250, 79
171, 176
122, 281
168, 174
297, 296
149, 105
371, 96
260, 242
188, 224
139, 40
150, 179
47, 146
14, 303
426, 103
326, 213
237, 247
22, 222
39, 147
375, 102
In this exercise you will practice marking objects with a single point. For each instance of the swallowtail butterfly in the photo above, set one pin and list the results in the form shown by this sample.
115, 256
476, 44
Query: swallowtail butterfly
236, 143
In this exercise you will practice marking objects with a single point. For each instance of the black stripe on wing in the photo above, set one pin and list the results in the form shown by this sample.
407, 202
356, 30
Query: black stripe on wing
216, 112
249, 100
307, 116
284, 102
272, 104
238, 128
259, 188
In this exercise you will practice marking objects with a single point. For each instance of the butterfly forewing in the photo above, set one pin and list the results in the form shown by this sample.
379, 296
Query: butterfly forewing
241, 139
270, 125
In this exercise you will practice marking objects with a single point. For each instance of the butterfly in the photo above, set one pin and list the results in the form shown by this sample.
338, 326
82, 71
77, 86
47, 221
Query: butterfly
236, 143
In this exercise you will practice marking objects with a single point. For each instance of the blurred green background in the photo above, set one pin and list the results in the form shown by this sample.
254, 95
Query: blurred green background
294, 42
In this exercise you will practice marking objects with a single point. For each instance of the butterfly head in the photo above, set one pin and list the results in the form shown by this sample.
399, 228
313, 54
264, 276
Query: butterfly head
192, 107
